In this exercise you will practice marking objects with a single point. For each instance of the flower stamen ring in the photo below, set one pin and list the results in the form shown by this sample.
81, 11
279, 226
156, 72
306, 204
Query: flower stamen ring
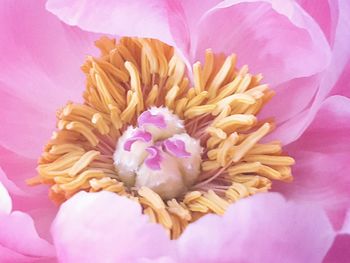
181, 149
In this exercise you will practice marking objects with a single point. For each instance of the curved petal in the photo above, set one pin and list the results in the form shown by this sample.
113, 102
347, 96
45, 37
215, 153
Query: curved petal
5, 200
340, 52
255, 230
27, 134
10, 256
343, 84
18, 234
339, 251
193, 11
14, 170
154, 19
260, 32
346, 226
16, 229
282, 108
9, 184
325, 13
335, 80
322, 160
92, 226
41, 58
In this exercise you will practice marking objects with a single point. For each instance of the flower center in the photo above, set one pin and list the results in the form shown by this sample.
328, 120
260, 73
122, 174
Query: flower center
144, 131
158, 154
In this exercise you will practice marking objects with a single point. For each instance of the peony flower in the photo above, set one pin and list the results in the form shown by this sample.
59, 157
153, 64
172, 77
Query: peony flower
176, 188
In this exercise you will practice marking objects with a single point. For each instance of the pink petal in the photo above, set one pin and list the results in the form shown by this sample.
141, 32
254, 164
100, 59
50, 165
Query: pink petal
283, 109
10, 185
279, 38
158, 260
15, 230
346, 226
340, 52
18, 235
340, 250
10, 256
325, 14
5, 200
261, 228
42, 72
342, 86
14, 170
335, 80
28, 134
153, 19
343, 54
322, 161
94, 226
193, 11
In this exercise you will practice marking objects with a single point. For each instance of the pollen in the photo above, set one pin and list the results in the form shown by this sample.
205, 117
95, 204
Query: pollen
181, 142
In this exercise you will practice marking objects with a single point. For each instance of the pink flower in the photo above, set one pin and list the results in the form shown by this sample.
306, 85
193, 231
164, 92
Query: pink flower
301, 47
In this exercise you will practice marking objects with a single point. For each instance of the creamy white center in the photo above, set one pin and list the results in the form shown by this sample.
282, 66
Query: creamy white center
159, 154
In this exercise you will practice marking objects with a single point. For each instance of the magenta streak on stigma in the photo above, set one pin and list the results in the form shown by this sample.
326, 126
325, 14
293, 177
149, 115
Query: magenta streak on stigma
139, 135
156, 120
176, 148
154, 158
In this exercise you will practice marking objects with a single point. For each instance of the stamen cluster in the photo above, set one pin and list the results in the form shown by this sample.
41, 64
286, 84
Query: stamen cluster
142, 117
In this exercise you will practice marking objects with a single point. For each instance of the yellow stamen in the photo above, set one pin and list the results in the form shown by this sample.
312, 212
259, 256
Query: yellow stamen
219, 108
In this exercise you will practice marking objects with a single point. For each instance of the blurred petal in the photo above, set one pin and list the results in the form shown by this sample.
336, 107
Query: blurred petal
25, 127
340, 250
9, 185
16, 229
346, 225
343, 84
152, 18
14, 170
255, 230
158, 260
10, 256
42, 59
5, 200
261, 34
94, 226
18, 234
322, 160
